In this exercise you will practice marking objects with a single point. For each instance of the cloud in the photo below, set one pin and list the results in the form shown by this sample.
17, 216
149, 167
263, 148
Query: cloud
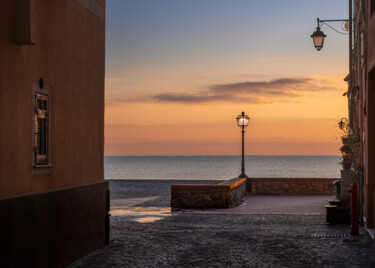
281, 89
201, 98
277, 90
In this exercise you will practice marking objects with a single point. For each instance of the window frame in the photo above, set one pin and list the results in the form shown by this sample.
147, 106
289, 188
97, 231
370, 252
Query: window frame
38, 168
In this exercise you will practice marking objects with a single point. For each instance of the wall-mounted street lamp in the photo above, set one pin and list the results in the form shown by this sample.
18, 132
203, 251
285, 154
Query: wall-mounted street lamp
242, 122
318, 39
318, 36
343, 123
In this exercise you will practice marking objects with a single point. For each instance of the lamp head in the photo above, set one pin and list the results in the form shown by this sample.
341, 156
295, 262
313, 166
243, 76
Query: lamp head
341, 125
242, 120
318, 38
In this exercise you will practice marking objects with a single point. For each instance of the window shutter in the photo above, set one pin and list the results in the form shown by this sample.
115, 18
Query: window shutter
41, 129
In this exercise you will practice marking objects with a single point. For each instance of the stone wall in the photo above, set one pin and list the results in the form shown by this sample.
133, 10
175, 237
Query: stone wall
237, 193
292, 186
224, 195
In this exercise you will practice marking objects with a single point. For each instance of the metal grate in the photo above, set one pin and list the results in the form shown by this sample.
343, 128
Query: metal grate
41, 104
41, 129
42, 136
329, 235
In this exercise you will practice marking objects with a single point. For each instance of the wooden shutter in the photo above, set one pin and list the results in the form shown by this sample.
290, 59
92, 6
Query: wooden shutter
41, 129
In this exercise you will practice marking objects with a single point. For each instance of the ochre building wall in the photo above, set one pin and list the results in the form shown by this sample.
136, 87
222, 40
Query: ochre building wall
69, 56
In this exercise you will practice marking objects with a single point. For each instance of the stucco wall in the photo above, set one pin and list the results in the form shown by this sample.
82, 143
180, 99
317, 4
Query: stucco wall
69, 56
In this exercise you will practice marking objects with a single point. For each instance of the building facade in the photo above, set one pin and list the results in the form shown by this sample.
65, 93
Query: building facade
54, 201
361, 97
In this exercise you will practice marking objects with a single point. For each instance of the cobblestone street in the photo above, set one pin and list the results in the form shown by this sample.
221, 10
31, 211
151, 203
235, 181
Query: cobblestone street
153, 237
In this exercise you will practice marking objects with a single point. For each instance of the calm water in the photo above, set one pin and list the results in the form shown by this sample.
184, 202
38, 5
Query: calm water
218, 167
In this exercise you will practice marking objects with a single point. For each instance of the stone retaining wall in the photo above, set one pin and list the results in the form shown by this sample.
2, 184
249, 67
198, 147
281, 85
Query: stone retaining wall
292, 186
224, 195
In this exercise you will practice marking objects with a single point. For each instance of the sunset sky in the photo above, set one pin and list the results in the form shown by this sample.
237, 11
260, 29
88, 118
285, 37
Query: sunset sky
178, 72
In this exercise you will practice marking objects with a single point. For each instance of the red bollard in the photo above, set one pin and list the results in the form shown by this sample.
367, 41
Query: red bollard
354, 212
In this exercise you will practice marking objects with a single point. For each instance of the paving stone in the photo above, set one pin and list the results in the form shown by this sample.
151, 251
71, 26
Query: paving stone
224, 240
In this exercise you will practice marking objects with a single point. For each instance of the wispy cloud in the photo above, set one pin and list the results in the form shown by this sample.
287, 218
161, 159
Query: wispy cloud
250, 92
202, 97
277, 90
282, 87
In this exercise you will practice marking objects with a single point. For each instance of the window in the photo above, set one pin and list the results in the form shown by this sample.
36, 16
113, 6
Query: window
41, 127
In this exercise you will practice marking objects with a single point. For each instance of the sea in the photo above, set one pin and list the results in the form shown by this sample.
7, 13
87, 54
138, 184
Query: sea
221, 167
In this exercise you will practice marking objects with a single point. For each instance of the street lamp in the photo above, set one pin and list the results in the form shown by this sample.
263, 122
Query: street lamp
318, 37
242, 122
343, 123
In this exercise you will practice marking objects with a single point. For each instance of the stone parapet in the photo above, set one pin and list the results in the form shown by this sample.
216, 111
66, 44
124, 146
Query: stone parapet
223, 195
292, 186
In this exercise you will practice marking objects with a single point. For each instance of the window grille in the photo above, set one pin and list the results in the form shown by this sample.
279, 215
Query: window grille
41, 128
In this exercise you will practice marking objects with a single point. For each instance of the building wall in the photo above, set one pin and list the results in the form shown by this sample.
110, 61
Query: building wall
364, 103
68, 55
370, 34
369, 112
53, 229
369, 170
51, 216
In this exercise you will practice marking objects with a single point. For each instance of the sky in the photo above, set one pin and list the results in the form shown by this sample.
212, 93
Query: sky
178, 72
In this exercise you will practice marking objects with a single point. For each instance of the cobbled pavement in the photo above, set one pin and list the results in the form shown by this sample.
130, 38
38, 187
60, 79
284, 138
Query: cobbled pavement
222, 240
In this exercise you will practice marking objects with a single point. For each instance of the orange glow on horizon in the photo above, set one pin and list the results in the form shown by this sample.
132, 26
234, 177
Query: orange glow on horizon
297, 125
282, 138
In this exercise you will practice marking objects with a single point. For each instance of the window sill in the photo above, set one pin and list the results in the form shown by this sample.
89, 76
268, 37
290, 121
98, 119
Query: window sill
41, 169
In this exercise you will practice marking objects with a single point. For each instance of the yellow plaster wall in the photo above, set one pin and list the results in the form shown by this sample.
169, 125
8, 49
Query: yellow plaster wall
69, 56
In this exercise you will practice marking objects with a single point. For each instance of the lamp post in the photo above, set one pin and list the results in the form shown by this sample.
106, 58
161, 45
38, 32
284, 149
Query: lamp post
243, 121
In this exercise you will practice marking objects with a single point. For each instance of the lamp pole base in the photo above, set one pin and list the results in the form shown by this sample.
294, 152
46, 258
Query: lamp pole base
242, 175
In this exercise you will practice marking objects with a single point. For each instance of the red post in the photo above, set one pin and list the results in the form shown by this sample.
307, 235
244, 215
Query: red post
354, 209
